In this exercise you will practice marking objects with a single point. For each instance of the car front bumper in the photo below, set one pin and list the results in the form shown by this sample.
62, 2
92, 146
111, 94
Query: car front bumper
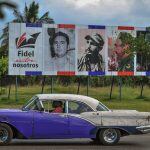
144, 129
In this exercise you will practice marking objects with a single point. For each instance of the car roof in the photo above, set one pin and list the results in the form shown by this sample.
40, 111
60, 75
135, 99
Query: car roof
70, 97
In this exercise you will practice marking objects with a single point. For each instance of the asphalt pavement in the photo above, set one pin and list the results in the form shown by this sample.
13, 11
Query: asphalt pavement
134, 142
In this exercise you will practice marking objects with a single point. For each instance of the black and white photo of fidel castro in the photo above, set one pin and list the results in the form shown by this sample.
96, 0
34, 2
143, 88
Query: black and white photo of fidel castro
61, 52
92, 60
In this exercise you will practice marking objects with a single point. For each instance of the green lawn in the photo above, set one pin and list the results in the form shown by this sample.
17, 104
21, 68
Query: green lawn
130, 96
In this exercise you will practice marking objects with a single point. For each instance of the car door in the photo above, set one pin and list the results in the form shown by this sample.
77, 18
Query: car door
79, 127
50, 125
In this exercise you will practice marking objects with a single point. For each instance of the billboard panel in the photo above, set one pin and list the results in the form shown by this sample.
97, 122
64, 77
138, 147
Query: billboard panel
143, 60
59, 49
25, 49
91, 50
120, 58
65, 49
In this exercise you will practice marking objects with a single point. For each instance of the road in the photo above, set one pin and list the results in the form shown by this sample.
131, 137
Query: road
138, 142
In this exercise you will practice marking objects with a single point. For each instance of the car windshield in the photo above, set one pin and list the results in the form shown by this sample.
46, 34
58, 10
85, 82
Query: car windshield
101, 107
32, 104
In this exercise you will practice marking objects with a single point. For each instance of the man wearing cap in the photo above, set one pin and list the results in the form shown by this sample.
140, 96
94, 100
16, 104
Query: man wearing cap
92, 59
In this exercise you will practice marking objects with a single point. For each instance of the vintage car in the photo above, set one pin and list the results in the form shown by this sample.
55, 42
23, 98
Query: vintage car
77, 117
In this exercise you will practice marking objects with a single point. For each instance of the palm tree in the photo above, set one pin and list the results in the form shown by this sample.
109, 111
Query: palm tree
5, 4
30, 15
5, 30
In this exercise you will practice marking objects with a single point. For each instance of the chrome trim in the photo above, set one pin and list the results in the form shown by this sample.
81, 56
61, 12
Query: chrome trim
110, 135
3, 135
63, 115
144, 129
79, 116
66, 105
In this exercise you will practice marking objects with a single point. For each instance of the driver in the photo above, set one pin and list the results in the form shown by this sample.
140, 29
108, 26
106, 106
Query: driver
57, 105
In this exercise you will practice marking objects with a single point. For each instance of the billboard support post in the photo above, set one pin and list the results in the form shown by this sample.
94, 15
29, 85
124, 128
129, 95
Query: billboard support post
51, 84
120, 86
88, 82
16, 89
112, 83
142, 86
79, 82
43, 84
9, 90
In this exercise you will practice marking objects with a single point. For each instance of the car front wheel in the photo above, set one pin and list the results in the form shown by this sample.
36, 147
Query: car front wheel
6, 134
109, 136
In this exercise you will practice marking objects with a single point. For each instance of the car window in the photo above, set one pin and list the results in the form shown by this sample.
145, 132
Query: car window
33, 104
47, 106
101, 107
54, 106
78, 107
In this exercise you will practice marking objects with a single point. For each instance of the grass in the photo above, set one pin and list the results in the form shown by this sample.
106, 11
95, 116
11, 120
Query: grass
130, 96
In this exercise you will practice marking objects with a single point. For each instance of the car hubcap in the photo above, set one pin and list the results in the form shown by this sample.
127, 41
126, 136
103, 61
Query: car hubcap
3, 135
110, 135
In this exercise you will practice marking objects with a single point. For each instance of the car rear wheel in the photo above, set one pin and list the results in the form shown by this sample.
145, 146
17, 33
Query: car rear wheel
109, 136
6, 134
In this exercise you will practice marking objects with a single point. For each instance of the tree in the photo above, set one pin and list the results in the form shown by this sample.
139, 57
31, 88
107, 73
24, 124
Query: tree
30, 15
140, 46
3, 65
5, 4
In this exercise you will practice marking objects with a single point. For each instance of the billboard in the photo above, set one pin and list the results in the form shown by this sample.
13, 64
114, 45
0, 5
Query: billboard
65, 49
59, 49
120, 57
25, 49
143, 60
91, 50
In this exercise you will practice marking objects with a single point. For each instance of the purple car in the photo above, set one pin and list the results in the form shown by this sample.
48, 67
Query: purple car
67, 116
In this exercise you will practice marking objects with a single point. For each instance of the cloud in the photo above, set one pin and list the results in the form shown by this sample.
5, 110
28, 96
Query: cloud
109, 12
85, 12
104, 12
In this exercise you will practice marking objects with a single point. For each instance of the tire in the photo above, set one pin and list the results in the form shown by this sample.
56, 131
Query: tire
109, 136
6, 134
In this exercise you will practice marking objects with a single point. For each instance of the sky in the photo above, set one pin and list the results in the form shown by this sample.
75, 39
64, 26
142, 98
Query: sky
90, 12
